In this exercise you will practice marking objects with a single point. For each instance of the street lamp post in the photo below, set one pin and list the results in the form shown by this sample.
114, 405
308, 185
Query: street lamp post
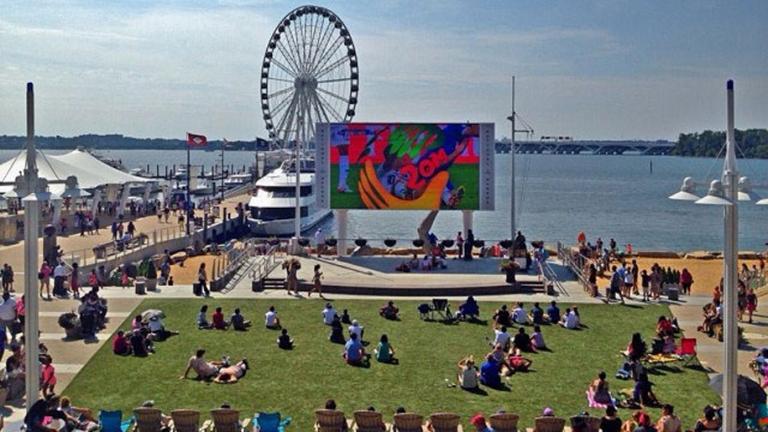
727, 192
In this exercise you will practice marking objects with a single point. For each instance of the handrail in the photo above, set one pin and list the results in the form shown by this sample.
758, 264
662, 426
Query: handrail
266, 264
549, 275
567, 258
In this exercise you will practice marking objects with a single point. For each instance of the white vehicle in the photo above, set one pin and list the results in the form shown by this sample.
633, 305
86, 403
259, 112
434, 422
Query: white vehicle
273, 207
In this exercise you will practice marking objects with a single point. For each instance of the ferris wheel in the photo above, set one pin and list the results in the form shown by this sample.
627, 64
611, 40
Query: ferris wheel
309, 74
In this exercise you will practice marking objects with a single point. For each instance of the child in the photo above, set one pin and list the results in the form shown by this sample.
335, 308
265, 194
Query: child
317, 285
48, 375
74, 281
93, 280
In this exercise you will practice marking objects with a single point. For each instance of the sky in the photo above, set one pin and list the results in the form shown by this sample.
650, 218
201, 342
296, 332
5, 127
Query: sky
599, 69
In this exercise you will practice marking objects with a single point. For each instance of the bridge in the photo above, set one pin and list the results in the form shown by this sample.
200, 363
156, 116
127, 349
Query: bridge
598, 147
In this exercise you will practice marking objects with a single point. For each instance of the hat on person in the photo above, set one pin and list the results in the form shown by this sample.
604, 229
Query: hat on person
478, 420
548, 412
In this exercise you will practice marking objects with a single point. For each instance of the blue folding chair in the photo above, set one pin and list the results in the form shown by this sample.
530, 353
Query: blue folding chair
270, 422
112, 421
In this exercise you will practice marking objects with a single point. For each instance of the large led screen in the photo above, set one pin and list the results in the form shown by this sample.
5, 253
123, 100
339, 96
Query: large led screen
402, 166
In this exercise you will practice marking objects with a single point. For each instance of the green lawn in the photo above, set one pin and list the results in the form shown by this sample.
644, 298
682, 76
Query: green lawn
461, 175
296, 382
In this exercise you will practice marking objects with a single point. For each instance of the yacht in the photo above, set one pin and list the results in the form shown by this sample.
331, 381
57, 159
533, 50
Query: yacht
236, 180
273, 206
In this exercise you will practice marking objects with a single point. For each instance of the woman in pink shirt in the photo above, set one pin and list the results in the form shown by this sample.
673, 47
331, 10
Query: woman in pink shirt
45, 279
48, 375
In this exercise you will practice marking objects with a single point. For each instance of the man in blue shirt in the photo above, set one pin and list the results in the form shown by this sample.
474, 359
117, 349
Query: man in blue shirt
354, 352
489, 372
553, 313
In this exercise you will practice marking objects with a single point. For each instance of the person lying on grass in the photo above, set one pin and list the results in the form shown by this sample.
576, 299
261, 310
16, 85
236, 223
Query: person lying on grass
204, 369
518, 363
384, 351
230, 374
284, 341
354, 352
389, 311
239, 322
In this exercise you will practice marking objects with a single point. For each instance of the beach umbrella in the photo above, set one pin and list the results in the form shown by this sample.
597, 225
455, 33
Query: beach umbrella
749, 392
149, 313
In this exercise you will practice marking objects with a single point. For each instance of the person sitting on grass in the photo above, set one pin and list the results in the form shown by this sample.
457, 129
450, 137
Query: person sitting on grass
610, 422
599, 390
501, 337
337, 331
204, 369
329, 313
356, 329
271, 321
522, 341
537, 339
217, 320
284, 341
239, 322
569, 320
202, 320
120, 345
384, 351
518, 363
490, 373
137, 323
354, 352
553, 313
669, 422
345, 319
710, 421
140, 346
469, 309
157, 330
468, 374
519, 316
537, 314
501, 317
500, 357
230, 374
389, 311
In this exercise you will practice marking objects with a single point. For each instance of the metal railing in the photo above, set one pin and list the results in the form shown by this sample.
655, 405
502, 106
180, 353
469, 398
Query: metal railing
265, 263
550, 277
576, 267
87, 256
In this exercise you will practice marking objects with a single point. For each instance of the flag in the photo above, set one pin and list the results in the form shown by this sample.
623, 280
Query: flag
196, 140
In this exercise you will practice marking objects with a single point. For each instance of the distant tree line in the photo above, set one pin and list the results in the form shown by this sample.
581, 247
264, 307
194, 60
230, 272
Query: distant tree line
753, 143
120, 142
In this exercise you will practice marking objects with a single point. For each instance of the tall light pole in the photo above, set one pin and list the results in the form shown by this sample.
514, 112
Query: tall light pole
512, 164
727, 192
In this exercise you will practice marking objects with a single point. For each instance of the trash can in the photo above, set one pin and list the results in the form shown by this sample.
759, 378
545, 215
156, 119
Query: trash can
673, 294
140, 286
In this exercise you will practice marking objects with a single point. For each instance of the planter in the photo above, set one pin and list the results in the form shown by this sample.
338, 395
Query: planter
73, 333
361, 242
447, 243
390, 242
506, 244
331, 242
140, 286
478, 243
418, 243
303, 242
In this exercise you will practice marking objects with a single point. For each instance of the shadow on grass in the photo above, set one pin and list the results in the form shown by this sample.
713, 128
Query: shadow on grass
477, 390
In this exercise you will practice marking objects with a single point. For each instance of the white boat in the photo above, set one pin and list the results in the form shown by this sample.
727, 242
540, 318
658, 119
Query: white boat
236, 180
273, 207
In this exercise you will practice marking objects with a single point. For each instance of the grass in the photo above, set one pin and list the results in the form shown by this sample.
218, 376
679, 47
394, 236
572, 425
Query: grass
299, 381
460, 175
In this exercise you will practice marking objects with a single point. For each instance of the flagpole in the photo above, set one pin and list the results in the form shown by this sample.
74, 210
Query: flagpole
188, 206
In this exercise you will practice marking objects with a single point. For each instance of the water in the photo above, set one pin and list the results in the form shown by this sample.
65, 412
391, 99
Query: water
558, 196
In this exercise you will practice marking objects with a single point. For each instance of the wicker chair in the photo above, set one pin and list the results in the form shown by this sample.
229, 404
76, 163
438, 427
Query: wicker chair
226, 420
445, 422
369, 421
185, 420
549, 424
408, 422
148, 419
505, 422
329, 420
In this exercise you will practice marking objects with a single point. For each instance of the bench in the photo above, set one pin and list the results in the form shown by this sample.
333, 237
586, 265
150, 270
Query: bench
104, 250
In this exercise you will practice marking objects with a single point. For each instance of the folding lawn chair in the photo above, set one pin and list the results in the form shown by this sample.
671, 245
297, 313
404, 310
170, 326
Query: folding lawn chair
368, 421
687, 349
112, 421
445, 422
580, 422
441, 307
504, 422
408, 422
270, 422
148, 419
185, 420
226, 420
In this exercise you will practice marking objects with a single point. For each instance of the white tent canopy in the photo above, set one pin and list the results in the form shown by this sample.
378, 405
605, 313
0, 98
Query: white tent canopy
90, 171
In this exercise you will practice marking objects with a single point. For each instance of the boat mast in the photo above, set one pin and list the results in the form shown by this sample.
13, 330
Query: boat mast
512, 168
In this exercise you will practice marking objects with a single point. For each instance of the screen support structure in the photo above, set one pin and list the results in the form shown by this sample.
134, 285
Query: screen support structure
342, 216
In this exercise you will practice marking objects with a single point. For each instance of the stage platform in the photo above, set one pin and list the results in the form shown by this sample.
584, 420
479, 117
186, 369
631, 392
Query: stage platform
376, 276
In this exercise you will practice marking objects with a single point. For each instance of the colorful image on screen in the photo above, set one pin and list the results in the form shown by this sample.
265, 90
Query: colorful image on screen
404, 166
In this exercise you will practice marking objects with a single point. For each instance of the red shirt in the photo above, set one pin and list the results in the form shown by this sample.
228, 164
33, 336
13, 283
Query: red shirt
218, 320
119, 345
